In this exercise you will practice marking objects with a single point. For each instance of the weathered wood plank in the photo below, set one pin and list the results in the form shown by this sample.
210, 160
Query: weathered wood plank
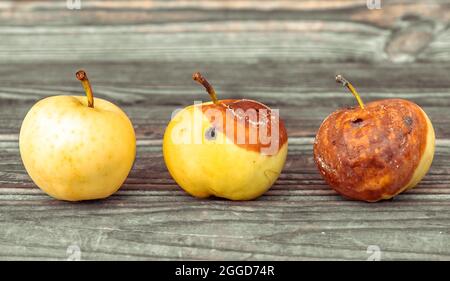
300, 122
204, 30
137, 43
299, 175
305, 93
151, 218
94, 12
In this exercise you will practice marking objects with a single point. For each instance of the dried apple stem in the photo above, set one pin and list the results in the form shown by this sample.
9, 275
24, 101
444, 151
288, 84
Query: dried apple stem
82, 76
350, 87
200, 79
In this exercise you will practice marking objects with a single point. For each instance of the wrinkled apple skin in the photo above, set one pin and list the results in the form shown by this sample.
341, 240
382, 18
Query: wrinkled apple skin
216, 167
74, 152
375, 153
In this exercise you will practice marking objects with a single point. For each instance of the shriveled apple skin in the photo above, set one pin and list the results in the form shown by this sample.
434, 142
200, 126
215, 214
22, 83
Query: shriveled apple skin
217, 167
377, 152
74, 152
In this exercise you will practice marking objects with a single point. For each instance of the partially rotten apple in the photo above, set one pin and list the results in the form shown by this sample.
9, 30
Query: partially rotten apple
233, 149
374, 151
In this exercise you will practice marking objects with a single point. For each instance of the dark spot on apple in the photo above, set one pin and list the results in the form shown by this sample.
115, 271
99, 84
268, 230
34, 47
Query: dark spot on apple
376, 163
357, 122
210, 134
408, 121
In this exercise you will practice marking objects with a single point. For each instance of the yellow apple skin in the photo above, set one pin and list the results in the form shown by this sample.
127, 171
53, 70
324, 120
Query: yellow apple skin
74, 152
427, 157
216, 167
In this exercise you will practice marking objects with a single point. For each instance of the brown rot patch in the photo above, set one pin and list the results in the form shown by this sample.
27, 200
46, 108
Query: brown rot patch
249, 124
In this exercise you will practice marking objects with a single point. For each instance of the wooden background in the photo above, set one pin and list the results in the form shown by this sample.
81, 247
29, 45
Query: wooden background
141, 54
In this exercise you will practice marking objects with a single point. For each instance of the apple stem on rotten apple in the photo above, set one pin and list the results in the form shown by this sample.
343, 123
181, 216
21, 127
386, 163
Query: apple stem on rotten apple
82, 76
345, 83
200, 79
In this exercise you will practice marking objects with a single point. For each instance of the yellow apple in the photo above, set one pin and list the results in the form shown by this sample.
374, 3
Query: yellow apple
76, 148
206, 156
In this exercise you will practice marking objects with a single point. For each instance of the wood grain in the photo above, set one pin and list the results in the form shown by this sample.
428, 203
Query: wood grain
141, 54
220, 30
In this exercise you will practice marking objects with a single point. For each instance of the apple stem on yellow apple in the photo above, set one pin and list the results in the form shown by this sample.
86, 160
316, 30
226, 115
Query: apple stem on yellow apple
82, 76
345, 83
200, 79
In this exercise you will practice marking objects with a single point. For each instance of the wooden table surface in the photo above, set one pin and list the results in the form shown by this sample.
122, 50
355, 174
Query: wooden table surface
141, 54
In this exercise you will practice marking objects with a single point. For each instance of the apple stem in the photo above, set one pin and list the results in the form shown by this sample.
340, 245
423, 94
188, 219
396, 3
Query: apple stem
200, 79
82, 76
345, 83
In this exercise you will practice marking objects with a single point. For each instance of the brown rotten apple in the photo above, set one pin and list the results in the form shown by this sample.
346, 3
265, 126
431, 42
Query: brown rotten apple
374, 151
